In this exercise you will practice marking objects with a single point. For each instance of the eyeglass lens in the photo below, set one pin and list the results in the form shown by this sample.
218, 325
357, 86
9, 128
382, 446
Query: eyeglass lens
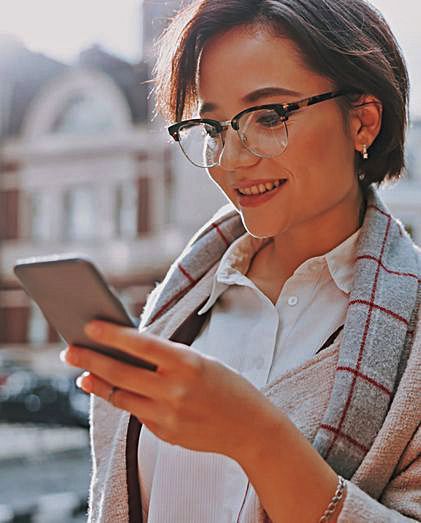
263, 132
201, 143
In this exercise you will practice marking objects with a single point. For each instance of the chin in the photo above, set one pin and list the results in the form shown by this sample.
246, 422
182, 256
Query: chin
261, 230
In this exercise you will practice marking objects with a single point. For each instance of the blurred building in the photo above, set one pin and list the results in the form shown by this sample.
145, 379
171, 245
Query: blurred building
195, 197
83, 170
77, 173
154, 16
404, 198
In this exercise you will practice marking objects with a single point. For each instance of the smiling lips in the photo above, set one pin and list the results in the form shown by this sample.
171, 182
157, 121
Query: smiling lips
260, 188
257, 194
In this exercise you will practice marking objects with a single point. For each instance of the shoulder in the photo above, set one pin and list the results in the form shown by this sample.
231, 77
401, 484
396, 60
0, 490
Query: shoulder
197, 258
223, 215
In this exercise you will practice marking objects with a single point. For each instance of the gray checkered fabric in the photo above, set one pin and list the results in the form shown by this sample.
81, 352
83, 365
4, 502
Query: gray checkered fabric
377, 336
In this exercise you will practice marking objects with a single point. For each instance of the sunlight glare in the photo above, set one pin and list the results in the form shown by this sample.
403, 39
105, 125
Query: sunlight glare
60, 28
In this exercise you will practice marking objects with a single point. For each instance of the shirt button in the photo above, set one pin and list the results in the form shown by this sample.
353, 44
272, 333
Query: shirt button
292, 301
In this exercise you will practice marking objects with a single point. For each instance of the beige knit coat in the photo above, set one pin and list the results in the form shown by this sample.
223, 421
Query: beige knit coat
384, 484
385, 488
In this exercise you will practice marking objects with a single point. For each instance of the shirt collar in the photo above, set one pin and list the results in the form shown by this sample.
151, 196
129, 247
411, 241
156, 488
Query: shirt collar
341, 261
237, 258
234, 265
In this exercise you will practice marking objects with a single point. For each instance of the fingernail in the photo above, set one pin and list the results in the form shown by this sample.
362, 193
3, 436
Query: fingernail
83, 382
62, 355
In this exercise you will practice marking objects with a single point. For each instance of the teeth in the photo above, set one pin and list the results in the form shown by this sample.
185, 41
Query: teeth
260, 189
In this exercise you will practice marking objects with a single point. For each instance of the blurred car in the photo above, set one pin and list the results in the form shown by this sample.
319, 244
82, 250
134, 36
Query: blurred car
6, 368
26, 397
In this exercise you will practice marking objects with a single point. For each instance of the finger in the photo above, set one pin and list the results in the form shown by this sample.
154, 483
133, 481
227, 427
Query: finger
152, 348
141, 407
123, 375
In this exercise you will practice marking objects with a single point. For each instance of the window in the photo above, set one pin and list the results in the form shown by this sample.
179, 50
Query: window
84, 115
39, 214
38, 326
126, 210
79, 213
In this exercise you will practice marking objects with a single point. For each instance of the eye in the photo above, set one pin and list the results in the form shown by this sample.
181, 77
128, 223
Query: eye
268, 119
210, 131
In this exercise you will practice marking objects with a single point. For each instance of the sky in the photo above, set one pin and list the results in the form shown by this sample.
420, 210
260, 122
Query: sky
60, 28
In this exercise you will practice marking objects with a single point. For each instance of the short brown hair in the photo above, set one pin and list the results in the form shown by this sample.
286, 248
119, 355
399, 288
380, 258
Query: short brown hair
347, 41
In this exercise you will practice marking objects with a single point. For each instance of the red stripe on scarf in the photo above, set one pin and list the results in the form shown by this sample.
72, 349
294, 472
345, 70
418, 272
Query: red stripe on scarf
366, 378
380, 308
367, 257
345, 436
363, 342
186, 274
170, 302
221, 234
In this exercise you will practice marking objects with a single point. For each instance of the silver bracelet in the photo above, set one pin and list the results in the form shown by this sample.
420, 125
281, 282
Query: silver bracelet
334, 501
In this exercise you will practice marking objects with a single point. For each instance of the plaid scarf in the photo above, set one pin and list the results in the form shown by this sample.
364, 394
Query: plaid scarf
378, 332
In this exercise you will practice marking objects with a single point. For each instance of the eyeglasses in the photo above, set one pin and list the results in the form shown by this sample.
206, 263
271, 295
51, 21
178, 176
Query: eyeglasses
262, 130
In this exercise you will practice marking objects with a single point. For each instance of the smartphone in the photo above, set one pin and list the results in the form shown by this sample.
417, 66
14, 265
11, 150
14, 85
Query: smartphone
71, 291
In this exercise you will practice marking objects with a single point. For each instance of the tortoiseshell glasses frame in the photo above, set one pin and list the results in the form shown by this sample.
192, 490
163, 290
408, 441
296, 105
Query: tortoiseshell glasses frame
275, 131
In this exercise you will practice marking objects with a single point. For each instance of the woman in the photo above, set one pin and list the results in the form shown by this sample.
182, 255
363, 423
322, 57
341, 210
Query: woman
300, 299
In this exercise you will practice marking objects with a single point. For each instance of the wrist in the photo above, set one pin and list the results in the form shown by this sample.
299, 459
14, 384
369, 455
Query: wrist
334, 508
263, 435
284, 469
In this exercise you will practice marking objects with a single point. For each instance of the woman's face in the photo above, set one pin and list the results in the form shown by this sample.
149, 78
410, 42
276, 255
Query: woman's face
244, 68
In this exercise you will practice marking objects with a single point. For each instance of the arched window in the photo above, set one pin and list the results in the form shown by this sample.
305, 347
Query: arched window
84, 115
79, 102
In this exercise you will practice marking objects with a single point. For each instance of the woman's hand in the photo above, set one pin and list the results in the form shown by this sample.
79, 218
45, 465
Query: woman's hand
190, 400
197, 402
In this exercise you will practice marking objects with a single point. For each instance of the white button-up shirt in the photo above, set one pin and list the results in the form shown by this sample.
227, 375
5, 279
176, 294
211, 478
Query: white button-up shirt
260, 340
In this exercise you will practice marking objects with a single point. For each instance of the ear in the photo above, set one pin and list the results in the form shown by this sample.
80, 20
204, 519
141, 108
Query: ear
365, 121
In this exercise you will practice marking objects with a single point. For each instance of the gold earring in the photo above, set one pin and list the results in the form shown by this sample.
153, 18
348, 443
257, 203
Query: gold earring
364, 152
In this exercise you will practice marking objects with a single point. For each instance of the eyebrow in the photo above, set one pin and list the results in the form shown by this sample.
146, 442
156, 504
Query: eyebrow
253, 97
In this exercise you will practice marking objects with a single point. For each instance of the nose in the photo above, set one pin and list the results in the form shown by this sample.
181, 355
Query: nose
234, 154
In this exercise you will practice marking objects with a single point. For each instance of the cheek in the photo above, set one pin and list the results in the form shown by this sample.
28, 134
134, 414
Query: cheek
323, 159
217, 177
214, 175
313, 145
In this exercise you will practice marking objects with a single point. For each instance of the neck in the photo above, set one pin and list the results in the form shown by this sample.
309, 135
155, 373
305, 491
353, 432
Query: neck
319, 235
